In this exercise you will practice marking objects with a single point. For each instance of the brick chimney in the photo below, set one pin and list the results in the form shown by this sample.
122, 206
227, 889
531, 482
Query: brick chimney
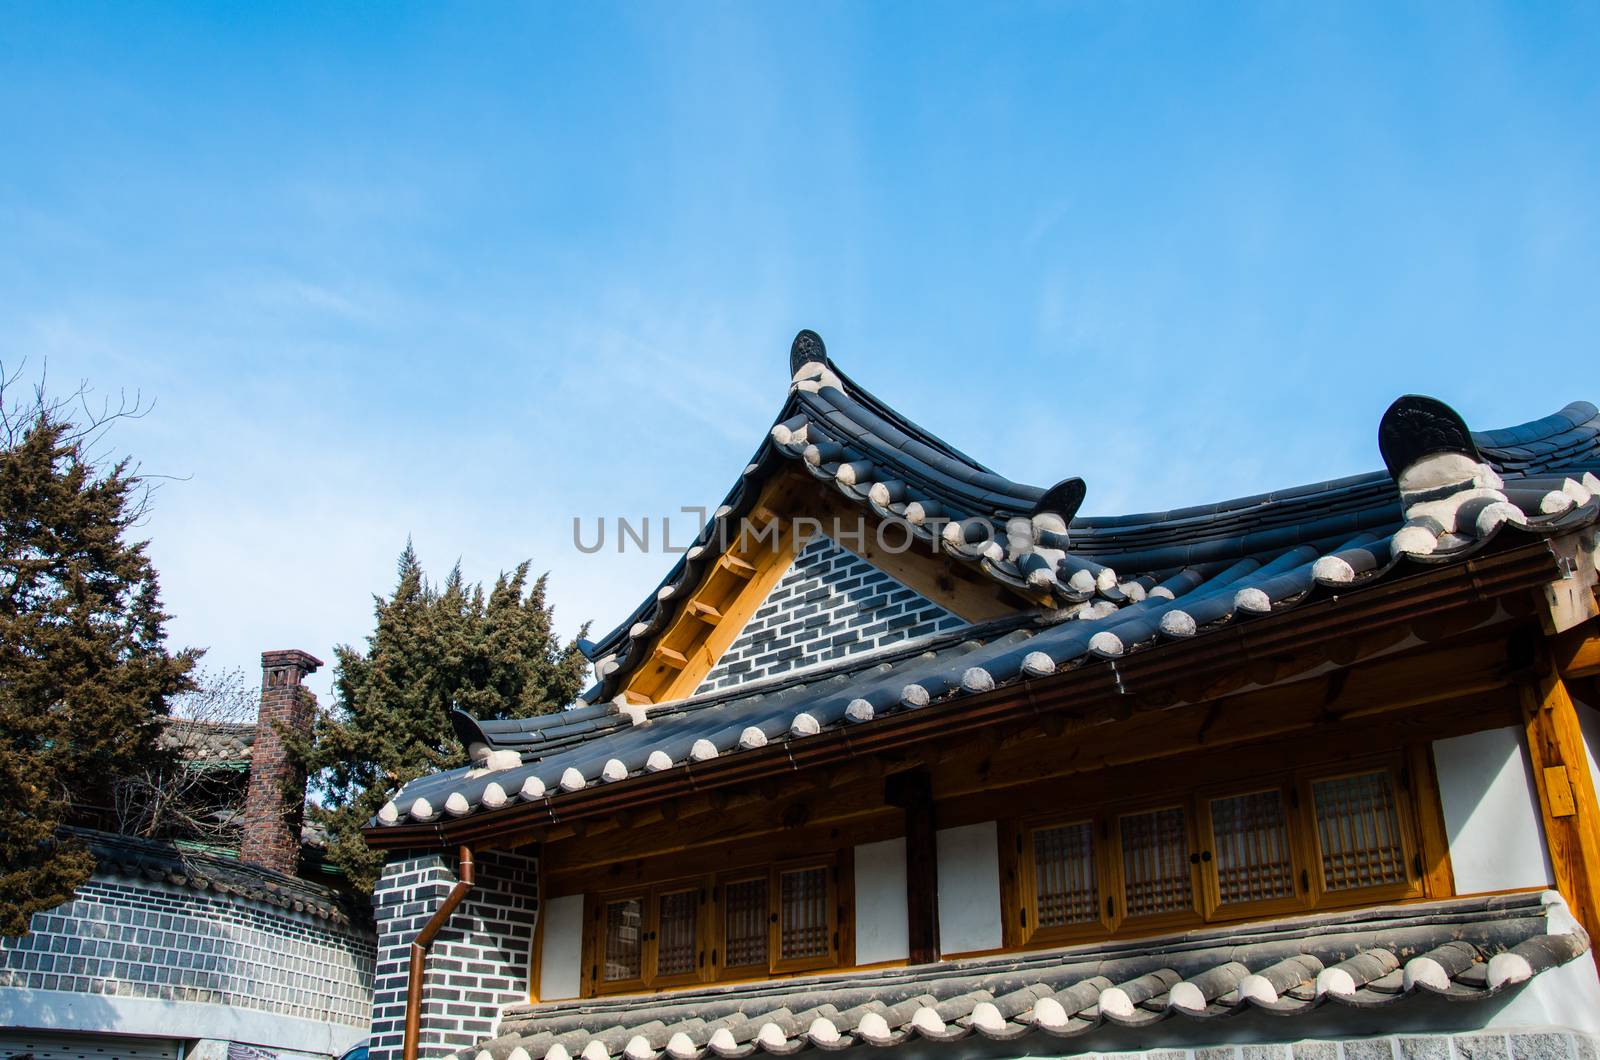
276, 796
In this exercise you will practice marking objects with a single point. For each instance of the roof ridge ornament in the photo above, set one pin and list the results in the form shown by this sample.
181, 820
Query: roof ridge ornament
1446, 488
809, 367
1416, 426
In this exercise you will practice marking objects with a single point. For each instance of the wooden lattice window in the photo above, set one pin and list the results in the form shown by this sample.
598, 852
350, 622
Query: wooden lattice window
744, 924
805, 921
1065, 880
677, 933
1284, 842
1251, 850
1156, 874
1358, 831
622, 941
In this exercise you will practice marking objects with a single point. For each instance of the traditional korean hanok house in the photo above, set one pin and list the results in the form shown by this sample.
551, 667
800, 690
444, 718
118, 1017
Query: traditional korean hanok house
968, 774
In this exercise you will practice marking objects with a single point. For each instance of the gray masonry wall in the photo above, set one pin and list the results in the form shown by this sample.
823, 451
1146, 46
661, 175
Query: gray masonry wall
479, 961
151, 939
829, 604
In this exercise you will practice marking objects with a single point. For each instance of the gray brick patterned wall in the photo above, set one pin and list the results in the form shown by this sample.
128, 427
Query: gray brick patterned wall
150, 939
479, 961
829, 604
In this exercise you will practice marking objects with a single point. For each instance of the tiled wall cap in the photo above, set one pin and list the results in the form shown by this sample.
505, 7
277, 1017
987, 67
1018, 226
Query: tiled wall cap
572, 780
859, 710
532, 788
658, 761
823, 1031
1256, 988
927, 1021
1425, 971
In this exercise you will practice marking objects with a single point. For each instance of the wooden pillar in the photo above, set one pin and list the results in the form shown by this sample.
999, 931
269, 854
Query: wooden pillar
1567, 800
913, 792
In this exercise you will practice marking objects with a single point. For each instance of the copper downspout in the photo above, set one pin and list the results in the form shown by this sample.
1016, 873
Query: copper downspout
424, 940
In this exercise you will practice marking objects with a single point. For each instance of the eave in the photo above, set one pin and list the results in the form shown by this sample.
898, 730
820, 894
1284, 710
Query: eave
1098, 688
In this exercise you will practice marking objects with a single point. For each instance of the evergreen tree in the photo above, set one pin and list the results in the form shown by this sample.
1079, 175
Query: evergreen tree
494, 655
85, 677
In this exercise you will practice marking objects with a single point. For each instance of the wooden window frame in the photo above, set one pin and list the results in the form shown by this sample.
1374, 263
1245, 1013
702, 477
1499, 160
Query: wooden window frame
711, 927
1019, 870
1414, 885
1028, 880
1300, 898
1154, 923
649, 897
830, 957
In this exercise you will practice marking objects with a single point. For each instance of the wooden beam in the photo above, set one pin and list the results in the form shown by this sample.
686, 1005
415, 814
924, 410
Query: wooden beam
913, 793
1567, 799
1576, 653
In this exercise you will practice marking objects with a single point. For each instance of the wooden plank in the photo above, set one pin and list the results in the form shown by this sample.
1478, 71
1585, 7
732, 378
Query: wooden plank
704, 612
736, 566
1438, 876
1555, 744
1576, 653
913, 793
670, 658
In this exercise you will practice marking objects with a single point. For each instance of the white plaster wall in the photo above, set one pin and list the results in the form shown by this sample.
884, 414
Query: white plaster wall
881, 930
561, 956
1589, 722
969, 888
1491, 812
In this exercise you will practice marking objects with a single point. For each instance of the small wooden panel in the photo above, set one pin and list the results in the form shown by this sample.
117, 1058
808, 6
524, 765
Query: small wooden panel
736, 566
1559, 788
704, 612
671, 658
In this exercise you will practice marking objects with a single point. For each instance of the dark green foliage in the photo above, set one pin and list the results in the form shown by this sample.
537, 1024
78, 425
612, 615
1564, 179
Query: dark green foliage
493, 655
85, 677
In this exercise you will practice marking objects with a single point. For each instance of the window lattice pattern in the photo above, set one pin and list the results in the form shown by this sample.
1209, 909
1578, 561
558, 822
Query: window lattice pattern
803, 920
1064, 875
1252, 848
676, 943
1155, 862
745, 923
1359, 828
624, 933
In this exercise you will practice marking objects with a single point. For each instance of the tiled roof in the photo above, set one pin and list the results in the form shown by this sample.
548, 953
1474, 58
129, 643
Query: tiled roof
1465, 949
1184, 574
209, 742
1030, 537
142, 859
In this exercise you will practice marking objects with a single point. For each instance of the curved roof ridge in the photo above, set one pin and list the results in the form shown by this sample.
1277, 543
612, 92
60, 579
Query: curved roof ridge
1024, 536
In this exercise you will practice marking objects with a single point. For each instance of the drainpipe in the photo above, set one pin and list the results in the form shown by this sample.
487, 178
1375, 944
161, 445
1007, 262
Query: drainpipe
424, 940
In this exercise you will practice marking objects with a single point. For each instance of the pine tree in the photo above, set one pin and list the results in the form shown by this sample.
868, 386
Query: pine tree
85, 677
494, 655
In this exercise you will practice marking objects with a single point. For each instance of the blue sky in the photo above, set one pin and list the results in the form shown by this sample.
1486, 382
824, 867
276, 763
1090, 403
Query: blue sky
465, 271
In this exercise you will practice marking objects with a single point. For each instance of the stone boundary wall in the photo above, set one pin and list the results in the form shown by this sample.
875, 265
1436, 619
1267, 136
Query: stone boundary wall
150, 939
